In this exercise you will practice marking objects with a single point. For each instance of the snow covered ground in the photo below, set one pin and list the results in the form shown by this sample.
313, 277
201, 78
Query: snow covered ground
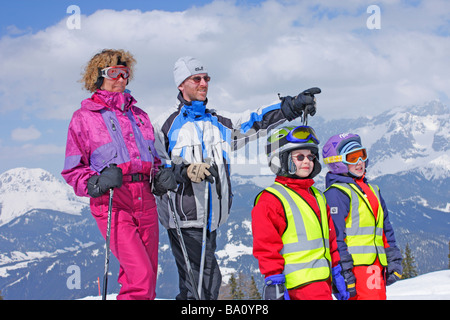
108, 297
430, 286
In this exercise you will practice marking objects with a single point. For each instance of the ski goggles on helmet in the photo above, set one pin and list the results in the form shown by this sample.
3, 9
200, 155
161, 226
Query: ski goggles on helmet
113, 73
302, 134
351, 157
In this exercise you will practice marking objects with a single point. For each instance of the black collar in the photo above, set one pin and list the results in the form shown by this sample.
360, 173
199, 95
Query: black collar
187, 103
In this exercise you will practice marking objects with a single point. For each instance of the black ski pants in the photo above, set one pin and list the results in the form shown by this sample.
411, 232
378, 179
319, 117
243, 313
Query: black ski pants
212, 278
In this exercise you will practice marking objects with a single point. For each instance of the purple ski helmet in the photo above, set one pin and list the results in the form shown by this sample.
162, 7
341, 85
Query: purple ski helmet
334, 147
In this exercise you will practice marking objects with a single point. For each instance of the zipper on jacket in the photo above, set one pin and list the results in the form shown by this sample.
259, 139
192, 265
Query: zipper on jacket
113, 124
152, 156
181, 204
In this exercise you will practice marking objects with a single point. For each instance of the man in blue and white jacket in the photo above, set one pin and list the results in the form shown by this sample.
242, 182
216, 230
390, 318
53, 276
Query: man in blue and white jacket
196, 145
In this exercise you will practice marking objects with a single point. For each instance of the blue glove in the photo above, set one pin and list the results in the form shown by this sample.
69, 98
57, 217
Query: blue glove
274, 288
339, 284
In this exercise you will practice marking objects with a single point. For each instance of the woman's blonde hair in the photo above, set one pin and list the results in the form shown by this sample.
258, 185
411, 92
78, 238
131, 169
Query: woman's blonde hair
105, 58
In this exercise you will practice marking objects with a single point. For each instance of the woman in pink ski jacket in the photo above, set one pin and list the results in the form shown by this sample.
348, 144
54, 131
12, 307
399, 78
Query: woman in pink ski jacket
110, 129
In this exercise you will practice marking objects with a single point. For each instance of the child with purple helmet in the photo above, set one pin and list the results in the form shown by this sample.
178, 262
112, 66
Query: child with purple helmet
370, 257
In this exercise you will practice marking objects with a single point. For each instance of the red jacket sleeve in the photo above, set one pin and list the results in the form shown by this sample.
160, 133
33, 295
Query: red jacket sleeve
268, 225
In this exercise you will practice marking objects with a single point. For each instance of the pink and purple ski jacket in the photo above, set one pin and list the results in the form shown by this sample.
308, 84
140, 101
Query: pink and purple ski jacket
108, 128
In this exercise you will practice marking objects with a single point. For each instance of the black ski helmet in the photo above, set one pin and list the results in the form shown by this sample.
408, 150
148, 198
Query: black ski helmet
283, 141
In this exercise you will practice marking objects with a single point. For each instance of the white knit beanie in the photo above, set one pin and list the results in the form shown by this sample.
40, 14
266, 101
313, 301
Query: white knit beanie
186, 67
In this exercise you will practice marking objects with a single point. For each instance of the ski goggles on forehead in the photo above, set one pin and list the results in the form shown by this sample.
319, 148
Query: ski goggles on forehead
302, 134
351, 157
113, 73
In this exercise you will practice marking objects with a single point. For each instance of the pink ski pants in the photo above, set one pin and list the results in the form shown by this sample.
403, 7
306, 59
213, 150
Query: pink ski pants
134, 237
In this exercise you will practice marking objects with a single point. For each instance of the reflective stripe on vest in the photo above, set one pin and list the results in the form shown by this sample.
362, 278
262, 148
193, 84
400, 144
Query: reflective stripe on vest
305, 241
364, 235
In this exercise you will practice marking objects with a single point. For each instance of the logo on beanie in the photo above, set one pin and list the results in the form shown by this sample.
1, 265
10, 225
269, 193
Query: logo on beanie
199, 68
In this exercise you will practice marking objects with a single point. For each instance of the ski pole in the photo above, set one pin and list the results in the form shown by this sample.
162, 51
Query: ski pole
214, 172
183, 248
108, 238
203, 255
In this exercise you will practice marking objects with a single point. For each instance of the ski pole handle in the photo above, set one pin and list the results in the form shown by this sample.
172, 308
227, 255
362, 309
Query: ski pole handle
108, 240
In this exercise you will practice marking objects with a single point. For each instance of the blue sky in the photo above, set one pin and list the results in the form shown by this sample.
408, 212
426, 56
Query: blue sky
38, 15
253, 50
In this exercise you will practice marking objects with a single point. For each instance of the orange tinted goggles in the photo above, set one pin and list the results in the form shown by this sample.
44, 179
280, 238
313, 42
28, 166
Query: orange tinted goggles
354, 156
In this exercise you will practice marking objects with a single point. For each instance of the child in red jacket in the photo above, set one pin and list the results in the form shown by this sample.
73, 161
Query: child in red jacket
293, 234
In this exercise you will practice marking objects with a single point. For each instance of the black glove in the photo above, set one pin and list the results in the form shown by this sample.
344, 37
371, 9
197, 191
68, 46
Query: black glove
214, 170
164, 181
293, 107
347, 273
394, 267
110, 177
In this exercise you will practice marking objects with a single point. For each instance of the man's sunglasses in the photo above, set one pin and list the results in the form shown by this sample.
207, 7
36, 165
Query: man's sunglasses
198, 79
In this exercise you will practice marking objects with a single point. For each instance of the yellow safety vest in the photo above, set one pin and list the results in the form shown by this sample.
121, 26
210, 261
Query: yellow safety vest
306, 249
364, 234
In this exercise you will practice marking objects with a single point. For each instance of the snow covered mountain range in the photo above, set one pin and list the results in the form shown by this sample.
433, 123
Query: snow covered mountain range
45, 230
22, 190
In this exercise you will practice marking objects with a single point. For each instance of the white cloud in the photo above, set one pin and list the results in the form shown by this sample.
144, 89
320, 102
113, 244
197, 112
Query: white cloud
252, 53
14, 31
43, 149
25, 134
30, 151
